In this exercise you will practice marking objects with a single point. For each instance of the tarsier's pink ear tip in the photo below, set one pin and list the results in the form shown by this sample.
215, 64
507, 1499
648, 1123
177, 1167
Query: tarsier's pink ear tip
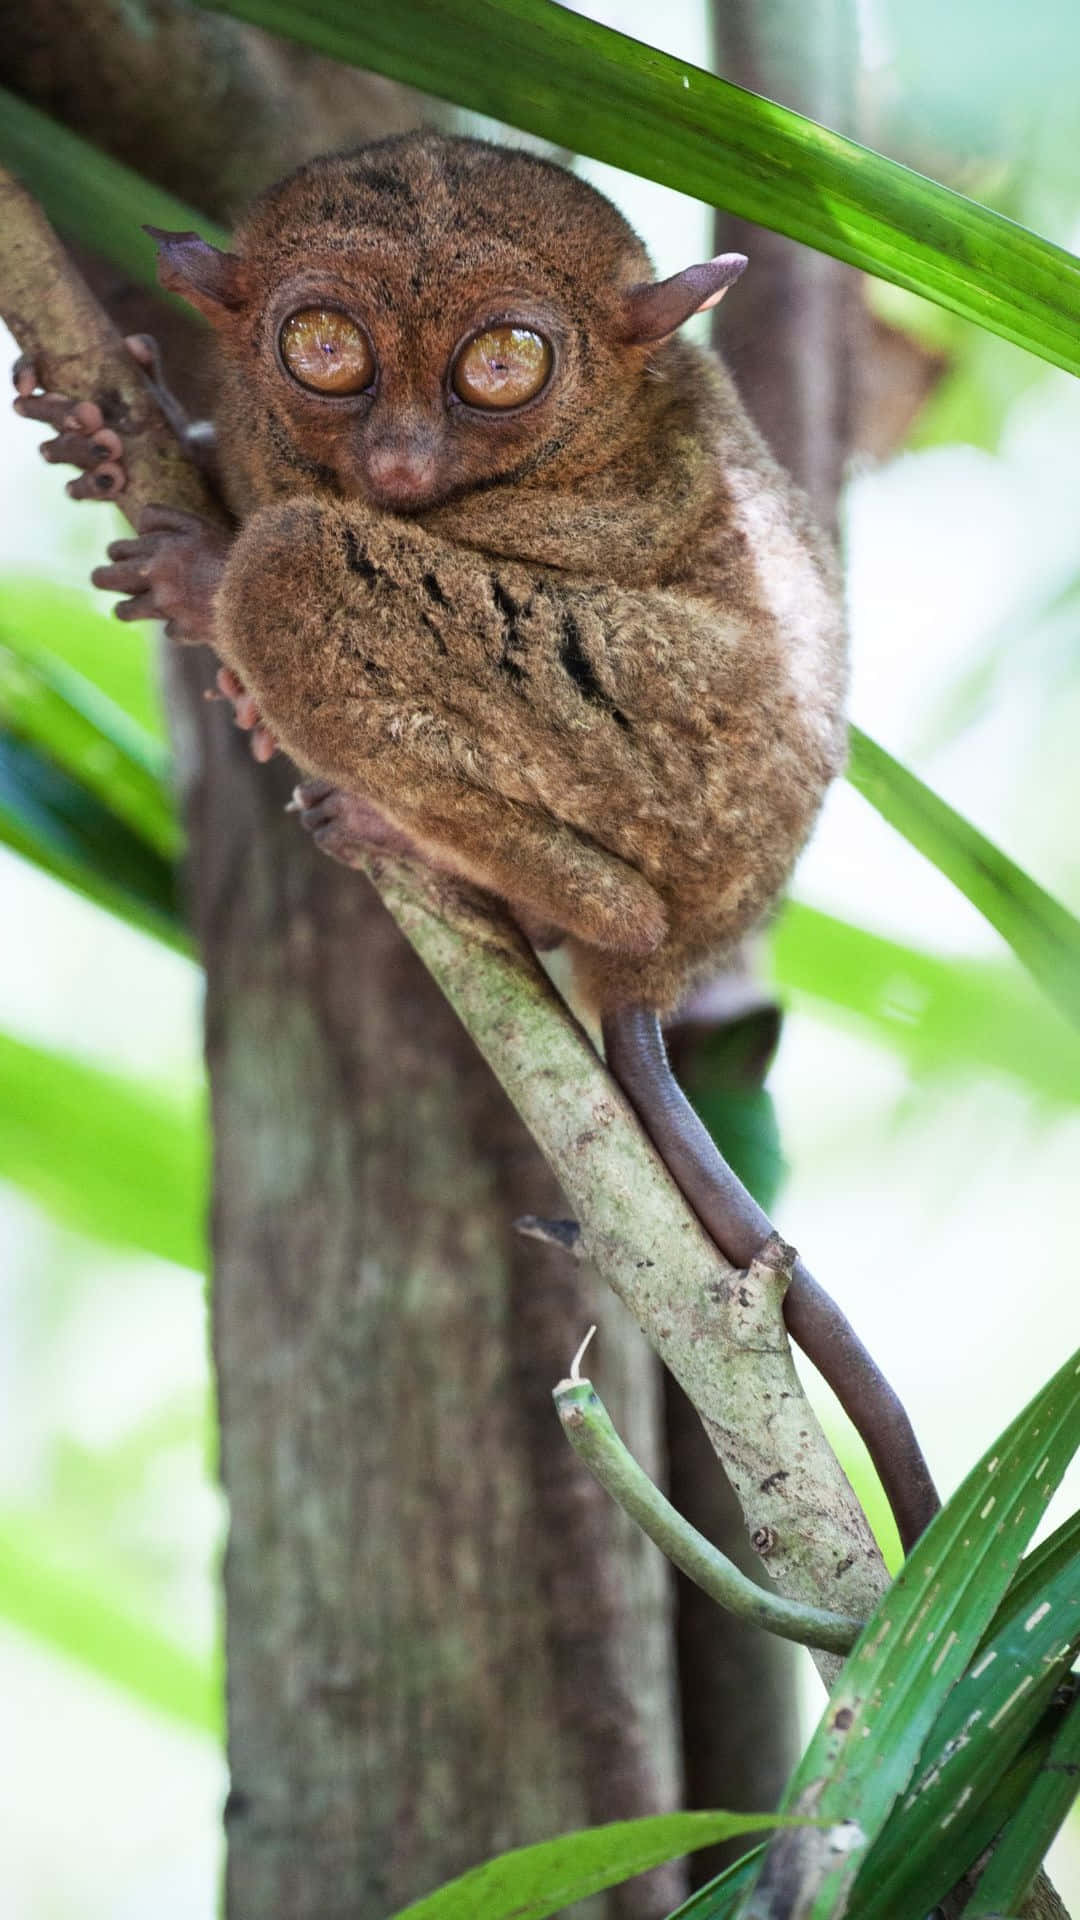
652, 312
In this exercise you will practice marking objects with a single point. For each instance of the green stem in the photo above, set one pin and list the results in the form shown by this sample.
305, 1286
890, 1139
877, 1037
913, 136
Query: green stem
587, 1425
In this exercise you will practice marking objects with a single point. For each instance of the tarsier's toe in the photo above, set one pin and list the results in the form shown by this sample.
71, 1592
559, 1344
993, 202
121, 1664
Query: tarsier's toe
347, 826
315, 802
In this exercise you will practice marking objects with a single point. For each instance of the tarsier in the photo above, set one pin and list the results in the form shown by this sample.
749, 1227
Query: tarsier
518, 587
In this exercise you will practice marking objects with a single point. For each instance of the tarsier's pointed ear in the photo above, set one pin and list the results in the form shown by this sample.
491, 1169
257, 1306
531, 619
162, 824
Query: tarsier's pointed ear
189, 266
651, 312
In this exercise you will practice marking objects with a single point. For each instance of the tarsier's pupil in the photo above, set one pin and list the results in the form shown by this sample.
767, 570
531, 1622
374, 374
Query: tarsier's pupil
327, 351
503, 367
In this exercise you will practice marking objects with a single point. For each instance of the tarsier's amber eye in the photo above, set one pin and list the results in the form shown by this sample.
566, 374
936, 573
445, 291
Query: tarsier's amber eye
324, 349
503, 367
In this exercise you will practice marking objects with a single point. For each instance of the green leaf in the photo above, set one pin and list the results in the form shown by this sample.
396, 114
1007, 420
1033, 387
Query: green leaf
915, 1648
537, 66
51, 819
50, 707
985, 1722
939, 1015
718, 1898
1041, 932
975, 1826
103, 1154
1036, 1571
1019, 1853
88, 1620
86, 193
531, 1882
118, 657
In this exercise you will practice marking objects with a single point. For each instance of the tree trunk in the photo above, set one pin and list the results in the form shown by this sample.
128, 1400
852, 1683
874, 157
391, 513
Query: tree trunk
441, 1641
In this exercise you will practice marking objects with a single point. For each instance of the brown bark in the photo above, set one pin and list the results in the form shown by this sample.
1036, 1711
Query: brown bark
442, 1640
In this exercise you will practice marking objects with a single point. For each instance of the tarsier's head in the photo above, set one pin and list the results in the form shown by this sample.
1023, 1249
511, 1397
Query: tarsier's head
428, 316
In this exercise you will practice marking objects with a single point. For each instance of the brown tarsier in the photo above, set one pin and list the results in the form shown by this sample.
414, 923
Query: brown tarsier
518, 587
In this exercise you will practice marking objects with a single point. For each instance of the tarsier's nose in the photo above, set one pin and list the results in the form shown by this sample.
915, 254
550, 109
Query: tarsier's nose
403, 474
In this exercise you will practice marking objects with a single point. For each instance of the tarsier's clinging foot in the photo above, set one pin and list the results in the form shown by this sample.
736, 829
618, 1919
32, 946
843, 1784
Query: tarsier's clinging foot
346, 826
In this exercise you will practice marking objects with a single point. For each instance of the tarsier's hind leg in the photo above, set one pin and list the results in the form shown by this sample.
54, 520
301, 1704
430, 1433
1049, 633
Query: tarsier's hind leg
637, 1058
561, 883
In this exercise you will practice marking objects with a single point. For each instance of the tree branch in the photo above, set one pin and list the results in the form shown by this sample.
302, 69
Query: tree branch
589, 1429
718, 1330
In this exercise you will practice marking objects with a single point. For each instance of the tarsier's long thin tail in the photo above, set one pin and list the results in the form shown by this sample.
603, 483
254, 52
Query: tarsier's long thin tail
637, 1058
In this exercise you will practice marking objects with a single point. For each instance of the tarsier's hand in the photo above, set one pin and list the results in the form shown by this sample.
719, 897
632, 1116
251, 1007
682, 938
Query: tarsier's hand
171, 570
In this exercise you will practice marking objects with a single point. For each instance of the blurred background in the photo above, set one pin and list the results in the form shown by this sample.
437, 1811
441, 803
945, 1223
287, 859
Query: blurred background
928, 1096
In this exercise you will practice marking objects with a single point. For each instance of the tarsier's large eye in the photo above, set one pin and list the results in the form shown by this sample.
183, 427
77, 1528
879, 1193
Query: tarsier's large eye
324, 349
503, 367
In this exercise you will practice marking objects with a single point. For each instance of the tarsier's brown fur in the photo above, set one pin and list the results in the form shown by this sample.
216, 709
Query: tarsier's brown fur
602, 674
587, 653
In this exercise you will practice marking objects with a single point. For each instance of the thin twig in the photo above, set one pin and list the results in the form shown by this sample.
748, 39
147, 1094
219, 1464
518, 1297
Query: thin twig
588, 1427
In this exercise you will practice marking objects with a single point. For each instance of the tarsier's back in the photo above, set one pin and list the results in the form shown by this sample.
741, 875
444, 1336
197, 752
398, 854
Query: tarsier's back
514, 565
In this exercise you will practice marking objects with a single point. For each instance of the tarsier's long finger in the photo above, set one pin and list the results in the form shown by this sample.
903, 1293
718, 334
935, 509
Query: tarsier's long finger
81, 449
159, 519
52, 409
247, 713
124, 576
135, 547
142, 607
264, 744
101, 483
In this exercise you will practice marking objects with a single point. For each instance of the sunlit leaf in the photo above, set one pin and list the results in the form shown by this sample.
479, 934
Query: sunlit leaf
117, 657
52, 820
917, 1644
102, 1153
46, 704
532, 1882
1041, 932
984, 1724
536, 65
1019, 1853
90, 1620
719, 1898
940, 1015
